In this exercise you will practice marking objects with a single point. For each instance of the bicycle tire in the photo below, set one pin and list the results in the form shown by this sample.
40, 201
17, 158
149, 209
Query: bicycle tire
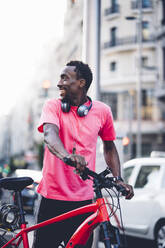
3, 241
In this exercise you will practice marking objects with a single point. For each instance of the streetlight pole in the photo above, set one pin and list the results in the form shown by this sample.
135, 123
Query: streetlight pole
131, 95
98, 31
139, 77
139, 81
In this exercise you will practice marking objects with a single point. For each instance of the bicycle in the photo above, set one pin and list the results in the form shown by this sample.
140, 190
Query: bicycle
14, 216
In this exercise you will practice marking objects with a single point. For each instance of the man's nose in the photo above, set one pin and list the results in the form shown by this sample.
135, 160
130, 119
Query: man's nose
59, 84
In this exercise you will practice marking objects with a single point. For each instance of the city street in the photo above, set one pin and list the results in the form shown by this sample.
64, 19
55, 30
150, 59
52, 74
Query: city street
73, 73
136, 243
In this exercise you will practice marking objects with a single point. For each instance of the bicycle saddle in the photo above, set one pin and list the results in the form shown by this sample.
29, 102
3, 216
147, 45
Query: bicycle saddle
15, 183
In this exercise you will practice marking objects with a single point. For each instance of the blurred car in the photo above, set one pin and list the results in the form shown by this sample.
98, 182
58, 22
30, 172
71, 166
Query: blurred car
29, 194
144, 214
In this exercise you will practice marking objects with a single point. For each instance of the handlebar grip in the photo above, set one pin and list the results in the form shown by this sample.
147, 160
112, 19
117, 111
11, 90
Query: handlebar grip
69, 162
85, 174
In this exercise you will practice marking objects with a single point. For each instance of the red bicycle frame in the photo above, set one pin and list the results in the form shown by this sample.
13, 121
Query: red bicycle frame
98, 210
81, 235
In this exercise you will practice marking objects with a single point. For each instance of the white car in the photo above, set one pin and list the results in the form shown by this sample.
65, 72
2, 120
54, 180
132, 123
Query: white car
144, 214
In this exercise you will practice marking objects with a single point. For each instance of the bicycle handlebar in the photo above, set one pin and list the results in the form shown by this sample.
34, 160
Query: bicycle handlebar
105, 182
87, 172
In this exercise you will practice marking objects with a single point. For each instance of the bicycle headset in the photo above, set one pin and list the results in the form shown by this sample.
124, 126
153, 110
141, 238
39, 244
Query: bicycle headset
82, 110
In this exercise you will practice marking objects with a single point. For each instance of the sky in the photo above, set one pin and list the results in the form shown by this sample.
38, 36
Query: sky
26, 28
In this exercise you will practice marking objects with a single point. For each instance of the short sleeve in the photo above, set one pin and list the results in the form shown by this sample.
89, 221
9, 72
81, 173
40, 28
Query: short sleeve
50, 114
107, 131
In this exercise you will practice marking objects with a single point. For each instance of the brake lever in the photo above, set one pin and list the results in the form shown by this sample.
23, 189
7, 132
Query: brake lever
109, 181
121, 189
104, 173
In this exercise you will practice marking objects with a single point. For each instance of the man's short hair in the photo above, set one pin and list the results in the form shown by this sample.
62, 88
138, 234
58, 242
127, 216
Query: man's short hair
83, 71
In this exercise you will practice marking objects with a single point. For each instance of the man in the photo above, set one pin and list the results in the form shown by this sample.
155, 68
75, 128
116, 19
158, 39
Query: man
71, 126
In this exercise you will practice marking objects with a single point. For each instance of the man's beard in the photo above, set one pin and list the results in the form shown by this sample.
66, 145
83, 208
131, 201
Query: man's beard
67, 99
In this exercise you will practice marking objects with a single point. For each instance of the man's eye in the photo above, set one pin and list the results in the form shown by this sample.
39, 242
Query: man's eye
64, 78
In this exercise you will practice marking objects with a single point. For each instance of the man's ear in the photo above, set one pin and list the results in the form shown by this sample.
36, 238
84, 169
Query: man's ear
82, 82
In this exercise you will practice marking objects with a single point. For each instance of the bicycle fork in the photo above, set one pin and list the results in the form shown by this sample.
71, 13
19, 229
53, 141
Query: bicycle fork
110, 235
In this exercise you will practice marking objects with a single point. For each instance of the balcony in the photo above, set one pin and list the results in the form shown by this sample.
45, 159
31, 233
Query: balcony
130, 40
161, 33
145, 5
115, 9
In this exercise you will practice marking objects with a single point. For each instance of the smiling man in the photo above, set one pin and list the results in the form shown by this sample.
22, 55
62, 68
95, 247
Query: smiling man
71, 126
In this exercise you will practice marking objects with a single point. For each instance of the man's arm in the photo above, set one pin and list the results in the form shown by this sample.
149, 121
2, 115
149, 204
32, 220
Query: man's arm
53, 141
56, 147
112, 159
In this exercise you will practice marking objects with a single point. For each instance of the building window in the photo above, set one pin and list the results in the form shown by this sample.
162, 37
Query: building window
145, 30
163, 12
113, 2
114, 6
129, 106
147, 104
113, 9
113, 36
111, 100
144, 61
146, 4
113, 66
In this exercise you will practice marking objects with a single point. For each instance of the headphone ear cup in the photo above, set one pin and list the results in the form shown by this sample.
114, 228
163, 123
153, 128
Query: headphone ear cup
82, 110
65, 106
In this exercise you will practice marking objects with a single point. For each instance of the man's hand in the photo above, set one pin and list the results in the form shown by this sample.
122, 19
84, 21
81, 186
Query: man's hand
79, 162
128, 188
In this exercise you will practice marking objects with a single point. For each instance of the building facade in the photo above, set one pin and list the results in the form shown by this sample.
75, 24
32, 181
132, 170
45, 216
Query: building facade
121, 72
126, 62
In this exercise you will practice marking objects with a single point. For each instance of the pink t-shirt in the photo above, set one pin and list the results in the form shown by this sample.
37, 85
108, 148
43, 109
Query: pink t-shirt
59, 181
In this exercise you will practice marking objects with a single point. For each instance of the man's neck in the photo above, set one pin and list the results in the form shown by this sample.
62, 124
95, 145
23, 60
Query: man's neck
77, 101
